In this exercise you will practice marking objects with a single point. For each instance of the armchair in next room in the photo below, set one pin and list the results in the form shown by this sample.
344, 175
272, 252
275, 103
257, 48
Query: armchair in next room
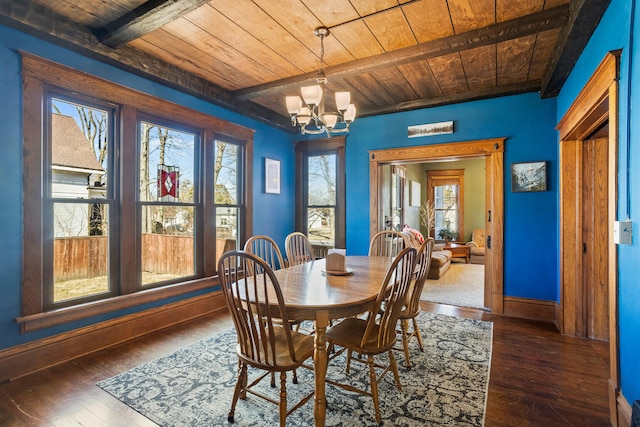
477, 246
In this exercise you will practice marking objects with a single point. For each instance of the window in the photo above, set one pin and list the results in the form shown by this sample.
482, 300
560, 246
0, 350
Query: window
79, 203
136, 196
168, 208
398, 181
320, 191
447, 195
228, 195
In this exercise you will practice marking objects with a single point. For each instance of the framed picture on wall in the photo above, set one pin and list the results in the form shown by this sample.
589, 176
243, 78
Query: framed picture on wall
529, 176
271, 176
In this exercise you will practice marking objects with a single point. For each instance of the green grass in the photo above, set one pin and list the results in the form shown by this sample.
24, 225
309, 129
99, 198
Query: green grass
80, 288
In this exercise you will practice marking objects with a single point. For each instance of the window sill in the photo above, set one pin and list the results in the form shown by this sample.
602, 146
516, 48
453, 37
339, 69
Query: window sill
61, 316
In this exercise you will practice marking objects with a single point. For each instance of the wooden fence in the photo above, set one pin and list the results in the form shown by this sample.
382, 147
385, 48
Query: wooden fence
80, 257
85, 257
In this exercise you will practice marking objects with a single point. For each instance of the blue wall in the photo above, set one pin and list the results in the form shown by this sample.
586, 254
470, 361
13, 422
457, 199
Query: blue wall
530, 220
274, 214
612, 34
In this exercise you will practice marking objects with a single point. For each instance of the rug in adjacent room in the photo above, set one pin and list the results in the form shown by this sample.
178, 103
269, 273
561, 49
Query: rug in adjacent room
447, 385
462, 285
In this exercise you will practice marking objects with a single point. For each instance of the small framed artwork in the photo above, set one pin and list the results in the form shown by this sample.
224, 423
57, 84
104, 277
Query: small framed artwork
529, 176
271, 176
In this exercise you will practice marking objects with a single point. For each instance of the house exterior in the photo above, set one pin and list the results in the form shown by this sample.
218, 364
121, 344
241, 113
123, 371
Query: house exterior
531, 271
76, 174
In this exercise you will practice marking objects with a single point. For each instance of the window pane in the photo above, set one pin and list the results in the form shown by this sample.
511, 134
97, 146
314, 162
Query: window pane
167, 159
321, 226
446, 205
168, 245
79, 143
226, 230
226, 174
322, 180
80, 250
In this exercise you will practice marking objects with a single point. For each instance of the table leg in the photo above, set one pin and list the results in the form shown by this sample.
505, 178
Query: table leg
320, 368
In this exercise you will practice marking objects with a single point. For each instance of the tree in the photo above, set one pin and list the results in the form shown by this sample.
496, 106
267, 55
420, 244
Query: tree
225, 173
322, 179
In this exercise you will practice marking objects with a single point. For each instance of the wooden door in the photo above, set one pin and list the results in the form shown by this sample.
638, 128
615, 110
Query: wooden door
595, 295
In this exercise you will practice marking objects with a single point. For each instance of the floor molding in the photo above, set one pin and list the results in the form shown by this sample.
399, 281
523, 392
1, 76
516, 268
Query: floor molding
36, 355
624, 412
533, 309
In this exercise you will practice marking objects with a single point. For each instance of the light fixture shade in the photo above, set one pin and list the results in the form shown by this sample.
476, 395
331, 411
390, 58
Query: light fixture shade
294, 103
311, 94
350, 114
304, 116
343, 99
330, 120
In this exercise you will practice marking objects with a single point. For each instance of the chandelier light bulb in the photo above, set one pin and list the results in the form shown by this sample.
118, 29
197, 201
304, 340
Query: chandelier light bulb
343, 99
350, 114
304, 116
294, 104
312, 95
330, 120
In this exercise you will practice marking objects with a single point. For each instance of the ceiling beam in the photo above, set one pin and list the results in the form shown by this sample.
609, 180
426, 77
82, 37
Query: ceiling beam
583, 20
145, 18
492, 34
491, 92
32, 18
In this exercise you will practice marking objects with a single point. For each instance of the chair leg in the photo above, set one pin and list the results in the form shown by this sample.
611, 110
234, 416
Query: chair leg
416, 330
240, 387
245, 381
283, 399
374, 388
404, 325
273, 378
348, 361
394, 368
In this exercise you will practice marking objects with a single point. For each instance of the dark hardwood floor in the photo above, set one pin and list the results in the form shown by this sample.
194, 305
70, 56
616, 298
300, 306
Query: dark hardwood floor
538, 377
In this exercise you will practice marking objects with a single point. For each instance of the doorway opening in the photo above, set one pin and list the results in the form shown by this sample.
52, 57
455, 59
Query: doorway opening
492, 150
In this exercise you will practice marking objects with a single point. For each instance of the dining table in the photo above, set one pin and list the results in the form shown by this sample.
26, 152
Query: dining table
311, 293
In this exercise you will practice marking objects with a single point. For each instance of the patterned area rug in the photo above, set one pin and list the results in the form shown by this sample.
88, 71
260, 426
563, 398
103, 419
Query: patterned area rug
447, 385
462, 285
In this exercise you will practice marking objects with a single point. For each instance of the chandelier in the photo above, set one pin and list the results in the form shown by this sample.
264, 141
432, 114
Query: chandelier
309, 111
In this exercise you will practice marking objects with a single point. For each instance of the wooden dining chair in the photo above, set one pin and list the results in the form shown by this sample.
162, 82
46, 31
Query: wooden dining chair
259, 313
377, 333
267, 249
388, 243
298, 249
411, 307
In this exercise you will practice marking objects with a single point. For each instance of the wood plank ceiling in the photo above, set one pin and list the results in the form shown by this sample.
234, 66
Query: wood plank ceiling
392, 55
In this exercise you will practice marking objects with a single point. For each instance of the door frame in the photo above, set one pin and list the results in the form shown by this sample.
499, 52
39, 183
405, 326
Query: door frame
596, 104
493, 152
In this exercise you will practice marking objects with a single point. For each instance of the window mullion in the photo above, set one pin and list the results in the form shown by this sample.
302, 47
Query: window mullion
129, 245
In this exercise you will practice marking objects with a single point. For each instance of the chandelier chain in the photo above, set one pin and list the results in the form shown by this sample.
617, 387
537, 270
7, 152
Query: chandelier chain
322, 55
